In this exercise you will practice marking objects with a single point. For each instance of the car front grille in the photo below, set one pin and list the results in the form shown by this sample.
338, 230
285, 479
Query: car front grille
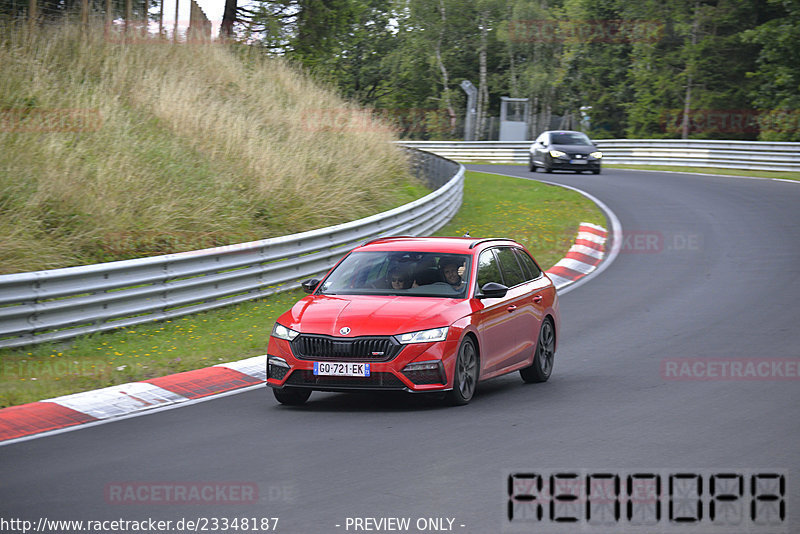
361, 349
307, 378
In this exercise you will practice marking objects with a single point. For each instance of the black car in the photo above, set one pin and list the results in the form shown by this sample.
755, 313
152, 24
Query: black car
564, 150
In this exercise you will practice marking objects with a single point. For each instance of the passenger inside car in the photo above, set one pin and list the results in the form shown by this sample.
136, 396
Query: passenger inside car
451, 271
399, 278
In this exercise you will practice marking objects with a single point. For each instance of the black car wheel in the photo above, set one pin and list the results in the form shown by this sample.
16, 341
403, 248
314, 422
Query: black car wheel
542, 366
466, 374
292, 396
531, 164
595, 171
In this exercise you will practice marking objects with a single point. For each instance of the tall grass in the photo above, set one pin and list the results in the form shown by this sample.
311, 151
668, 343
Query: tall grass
178, 147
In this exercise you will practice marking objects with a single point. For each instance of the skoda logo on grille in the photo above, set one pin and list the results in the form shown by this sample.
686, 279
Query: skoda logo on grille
345, 330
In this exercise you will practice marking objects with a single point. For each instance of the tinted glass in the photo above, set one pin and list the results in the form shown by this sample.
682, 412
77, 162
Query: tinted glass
512, 272
532, 271
418, 274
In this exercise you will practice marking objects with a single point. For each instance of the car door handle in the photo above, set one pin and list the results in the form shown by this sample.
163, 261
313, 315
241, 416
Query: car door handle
511, 309
537, 299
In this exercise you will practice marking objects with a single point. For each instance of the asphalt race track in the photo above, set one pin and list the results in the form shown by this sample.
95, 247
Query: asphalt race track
708, 272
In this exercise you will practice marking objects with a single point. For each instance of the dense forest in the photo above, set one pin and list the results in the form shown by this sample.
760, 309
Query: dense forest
719, 69
615, 68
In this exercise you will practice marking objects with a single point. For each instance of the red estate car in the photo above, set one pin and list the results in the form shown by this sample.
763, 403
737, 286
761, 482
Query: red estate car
418, 315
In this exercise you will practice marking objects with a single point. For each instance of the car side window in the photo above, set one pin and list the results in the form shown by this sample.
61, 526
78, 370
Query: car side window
532, 270
488, 269
510, 267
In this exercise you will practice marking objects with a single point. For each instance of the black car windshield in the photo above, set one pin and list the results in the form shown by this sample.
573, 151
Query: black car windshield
419, 274
569, 138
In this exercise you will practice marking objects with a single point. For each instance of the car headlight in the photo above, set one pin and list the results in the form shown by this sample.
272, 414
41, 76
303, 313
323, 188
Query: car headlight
557, 154
596, 155
424, 336
281, 332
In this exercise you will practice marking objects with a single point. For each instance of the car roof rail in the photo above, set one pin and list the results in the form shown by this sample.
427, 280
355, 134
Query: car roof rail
476, 243
386, 238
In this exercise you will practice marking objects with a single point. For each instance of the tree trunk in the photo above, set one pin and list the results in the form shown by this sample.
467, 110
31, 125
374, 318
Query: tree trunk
161, 20
548, 114
228, 18
687, 101
175, 26
445, 76
32, 14
687, 108
483, 90
533, 128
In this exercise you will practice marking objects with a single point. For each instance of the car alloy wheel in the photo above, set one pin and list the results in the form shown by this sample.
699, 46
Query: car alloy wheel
292, 396
466, 374
542, 366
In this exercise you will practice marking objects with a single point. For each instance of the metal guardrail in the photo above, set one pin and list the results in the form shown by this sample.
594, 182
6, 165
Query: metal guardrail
753, 155
63, 303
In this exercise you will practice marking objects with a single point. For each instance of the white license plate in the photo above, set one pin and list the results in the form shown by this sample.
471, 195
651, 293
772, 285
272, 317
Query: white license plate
578, 161
341, 369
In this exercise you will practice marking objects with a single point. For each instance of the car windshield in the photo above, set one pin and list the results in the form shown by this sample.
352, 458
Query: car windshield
569, 138
418, 274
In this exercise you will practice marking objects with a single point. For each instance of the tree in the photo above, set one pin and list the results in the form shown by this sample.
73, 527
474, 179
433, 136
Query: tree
777, 71
303, 30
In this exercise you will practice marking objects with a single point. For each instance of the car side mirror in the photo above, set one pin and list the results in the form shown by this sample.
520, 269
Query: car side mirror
310, 285
492, 290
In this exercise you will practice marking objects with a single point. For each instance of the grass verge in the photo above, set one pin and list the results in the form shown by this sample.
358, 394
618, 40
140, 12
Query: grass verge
543, 217
113, 149
783, 175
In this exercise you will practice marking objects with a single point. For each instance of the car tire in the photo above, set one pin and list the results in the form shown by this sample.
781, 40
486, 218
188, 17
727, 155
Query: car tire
547, 168
542, 366
531, 165
465, 378
595, 171
292, 396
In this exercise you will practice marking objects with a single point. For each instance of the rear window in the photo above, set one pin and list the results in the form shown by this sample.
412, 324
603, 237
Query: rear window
531, 269
512, 272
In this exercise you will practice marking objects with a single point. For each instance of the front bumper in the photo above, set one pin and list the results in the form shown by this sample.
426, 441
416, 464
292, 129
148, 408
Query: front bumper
567, 164
418, 367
